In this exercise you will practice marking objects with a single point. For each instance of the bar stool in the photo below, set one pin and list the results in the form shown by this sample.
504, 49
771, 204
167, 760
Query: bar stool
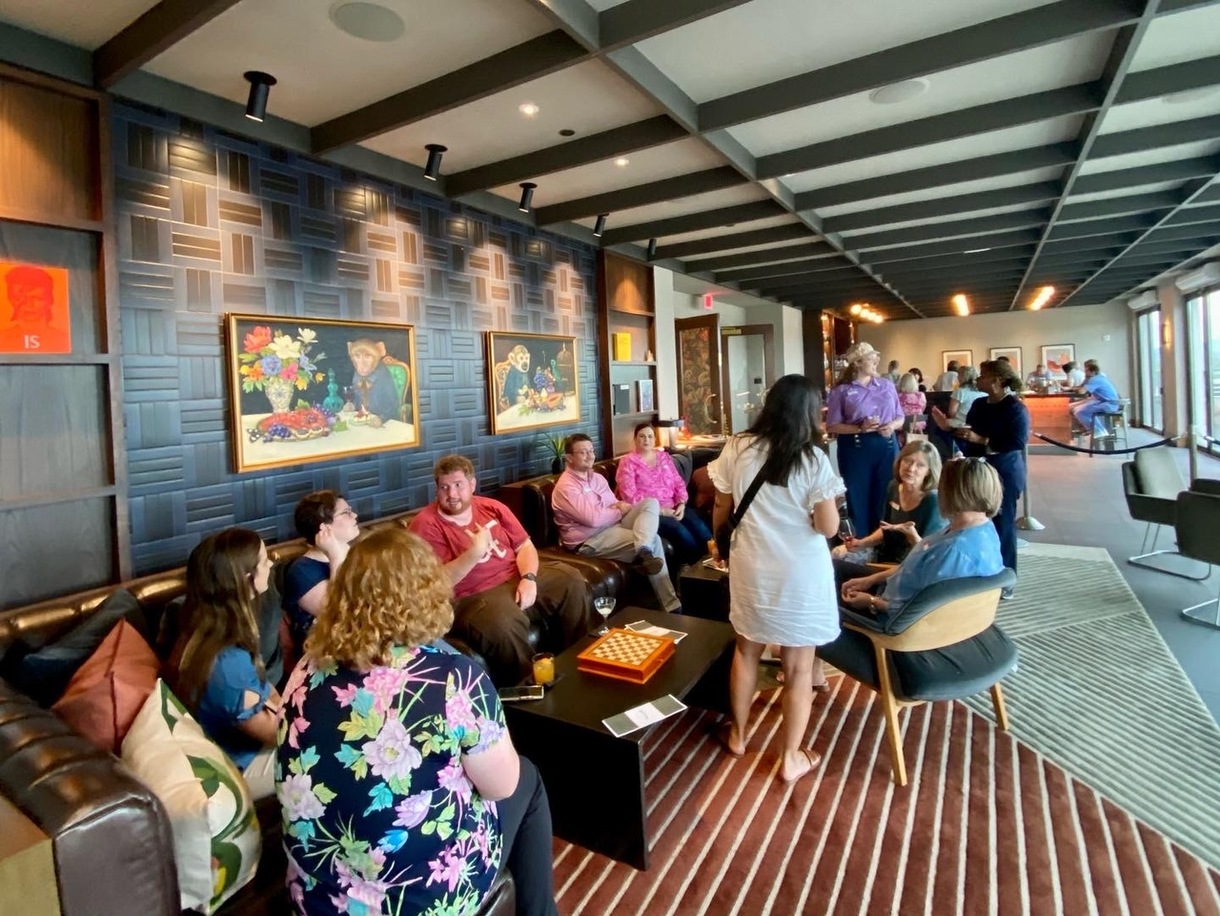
1115, 423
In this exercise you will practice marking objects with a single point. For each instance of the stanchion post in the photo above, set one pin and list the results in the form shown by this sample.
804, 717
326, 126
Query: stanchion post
1027, 522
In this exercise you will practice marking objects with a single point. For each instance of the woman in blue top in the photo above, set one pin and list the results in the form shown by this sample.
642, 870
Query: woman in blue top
997, 428
970, 495
327, 522
393, 755
219, 673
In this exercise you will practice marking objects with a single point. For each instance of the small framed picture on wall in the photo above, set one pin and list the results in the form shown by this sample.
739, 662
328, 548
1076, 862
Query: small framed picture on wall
646, 401
1012, 354
1054, 356
961, 357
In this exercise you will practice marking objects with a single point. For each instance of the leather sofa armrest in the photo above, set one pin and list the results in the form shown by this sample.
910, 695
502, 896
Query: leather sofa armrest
111, 838
1205, 485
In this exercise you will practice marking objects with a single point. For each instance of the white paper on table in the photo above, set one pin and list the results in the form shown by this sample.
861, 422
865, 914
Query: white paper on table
643, 715
648, 629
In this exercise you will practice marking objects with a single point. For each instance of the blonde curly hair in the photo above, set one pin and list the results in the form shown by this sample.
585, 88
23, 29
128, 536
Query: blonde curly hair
390, 591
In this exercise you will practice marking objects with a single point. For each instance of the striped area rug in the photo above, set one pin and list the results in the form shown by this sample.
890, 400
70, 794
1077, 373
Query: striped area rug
987, 826
1099, 692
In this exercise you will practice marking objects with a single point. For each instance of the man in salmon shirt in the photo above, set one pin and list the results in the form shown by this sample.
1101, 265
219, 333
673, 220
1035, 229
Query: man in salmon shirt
497, 582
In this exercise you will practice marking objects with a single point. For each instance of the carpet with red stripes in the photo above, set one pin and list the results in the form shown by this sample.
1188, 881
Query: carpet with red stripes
987, 826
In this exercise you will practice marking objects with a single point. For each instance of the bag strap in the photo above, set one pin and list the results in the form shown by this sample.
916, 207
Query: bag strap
755, 485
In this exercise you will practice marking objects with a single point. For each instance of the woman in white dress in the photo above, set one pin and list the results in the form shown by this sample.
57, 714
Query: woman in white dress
781, 583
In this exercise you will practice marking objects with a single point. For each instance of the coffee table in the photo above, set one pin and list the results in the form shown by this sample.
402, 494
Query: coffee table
595, 781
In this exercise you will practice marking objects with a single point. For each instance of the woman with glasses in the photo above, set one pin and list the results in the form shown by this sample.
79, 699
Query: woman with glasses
328, 523
970, 495
997, 428
215, 666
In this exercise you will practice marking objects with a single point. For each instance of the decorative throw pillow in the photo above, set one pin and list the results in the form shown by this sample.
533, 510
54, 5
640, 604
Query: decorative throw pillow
43, 675
217, 841
108, 690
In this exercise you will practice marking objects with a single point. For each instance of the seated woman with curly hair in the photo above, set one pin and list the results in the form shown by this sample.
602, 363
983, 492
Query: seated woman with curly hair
393, 754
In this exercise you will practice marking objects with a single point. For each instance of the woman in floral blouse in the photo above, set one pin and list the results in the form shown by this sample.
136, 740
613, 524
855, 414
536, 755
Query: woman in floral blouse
392, 755
649, 471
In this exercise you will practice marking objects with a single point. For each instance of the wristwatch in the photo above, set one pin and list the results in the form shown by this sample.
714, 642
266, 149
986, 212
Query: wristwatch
532, 577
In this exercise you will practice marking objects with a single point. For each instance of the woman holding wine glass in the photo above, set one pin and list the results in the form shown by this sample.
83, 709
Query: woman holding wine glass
781, 589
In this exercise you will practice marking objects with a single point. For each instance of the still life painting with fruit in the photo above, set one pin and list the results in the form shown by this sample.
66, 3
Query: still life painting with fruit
314, 389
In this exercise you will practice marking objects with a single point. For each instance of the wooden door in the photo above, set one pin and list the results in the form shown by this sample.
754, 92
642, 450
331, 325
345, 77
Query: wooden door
699, 393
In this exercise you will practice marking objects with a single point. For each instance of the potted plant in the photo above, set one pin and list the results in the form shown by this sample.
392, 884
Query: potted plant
552, 444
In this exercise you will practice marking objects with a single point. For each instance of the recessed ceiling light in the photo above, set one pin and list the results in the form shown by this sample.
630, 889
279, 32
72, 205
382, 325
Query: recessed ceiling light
529, 109
1189, 95
369, 21
899, 92
622, 162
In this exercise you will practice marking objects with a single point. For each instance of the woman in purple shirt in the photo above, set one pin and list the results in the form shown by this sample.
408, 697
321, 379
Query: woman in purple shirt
649, 471
863, 412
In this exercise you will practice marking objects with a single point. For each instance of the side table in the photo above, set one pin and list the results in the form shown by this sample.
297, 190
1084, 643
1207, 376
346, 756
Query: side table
705, 591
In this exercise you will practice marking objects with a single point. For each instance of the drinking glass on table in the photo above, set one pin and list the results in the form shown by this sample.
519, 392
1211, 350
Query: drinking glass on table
544, 668
605, 607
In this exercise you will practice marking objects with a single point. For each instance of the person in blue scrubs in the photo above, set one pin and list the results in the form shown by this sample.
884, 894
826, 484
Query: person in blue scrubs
1103, 398
970, 495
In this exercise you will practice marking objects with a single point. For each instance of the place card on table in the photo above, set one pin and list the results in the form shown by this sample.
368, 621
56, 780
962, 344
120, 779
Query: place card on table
643, 626
643, 715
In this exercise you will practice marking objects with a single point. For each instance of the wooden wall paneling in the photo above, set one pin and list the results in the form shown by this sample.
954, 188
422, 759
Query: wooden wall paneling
47, 563
48, 156
626, 305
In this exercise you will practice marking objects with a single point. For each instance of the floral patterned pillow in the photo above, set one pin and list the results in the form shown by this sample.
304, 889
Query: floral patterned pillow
217, 841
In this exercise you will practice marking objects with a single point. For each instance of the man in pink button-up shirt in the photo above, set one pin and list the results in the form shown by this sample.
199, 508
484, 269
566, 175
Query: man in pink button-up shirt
593, 522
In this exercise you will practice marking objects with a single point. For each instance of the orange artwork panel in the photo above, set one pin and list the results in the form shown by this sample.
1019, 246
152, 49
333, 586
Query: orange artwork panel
34, 309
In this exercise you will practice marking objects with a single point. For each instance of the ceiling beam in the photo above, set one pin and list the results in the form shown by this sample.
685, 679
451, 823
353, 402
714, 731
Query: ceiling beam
971, 44
1118, 206
636, 20
1190, 245
1142, 139
954, 125
764, 256
1210, 194
515, 66
1136, 223
1170, 233
605, 145
784, 269
1187, 193
1040, 192
1120, 179
767, 236
1122, 54
1090, 243
971, 230
953, 263
1160, 81
989, 244
641, 195
695, 222
1187, 214
157, 30
935, 176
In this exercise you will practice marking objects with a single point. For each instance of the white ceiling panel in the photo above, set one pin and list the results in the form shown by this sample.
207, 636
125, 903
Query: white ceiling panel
700, 264
949, 190
1152, 157
1041, 133
87, 25
657, 163
1157, 111
699, 203
324, 72
1062, 64
767, 223
1178, 38
492, 129
766, 40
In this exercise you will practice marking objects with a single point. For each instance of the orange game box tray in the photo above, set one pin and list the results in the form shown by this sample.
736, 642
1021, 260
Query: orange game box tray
626, 655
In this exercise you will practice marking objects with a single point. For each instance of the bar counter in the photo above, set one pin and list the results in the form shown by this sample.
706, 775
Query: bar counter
1048, 415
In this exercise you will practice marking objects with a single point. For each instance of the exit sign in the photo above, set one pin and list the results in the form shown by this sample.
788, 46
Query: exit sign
709, 301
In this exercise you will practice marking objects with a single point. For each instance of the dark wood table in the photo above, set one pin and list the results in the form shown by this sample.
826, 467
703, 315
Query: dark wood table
595, 781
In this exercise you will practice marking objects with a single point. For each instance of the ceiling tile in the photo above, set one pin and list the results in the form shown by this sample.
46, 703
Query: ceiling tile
1178, 38
88, 25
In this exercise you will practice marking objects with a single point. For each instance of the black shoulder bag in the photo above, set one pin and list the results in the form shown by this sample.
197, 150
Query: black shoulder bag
724, 534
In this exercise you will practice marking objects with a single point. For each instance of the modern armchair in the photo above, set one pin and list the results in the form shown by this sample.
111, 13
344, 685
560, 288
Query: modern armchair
1196, 524
942, 645
1151, 484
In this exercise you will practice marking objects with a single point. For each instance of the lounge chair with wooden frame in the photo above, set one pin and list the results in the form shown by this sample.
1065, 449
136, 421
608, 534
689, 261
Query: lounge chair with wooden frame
943, 645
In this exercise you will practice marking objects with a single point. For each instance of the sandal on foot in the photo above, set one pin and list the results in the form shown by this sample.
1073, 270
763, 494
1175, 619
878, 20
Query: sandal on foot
815, 760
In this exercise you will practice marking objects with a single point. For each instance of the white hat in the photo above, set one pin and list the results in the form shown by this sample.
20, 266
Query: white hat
859, 351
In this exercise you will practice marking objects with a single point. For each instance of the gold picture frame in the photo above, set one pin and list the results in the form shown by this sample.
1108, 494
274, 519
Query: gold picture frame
531, 381
303, 390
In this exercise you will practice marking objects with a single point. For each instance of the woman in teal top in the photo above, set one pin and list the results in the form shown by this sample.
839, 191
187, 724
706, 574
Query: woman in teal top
970, 495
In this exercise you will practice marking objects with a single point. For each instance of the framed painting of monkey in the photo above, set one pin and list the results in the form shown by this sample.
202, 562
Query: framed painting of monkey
314, 389
531, 381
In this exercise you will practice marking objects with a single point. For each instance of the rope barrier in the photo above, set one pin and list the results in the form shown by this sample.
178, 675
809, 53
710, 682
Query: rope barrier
1092, 451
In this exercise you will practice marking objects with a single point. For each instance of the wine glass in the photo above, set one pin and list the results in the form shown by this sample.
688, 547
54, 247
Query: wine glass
605, 607
847, 531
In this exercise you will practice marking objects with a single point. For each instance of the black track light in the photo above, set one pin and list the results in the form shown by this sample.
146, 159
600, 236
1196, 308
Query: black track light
527, 196
600, 226
260, 89
432, 170
652, 249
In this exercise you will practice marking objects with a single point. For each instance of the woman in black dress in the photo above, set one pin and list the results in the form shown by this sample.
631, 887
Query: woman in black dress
997, 428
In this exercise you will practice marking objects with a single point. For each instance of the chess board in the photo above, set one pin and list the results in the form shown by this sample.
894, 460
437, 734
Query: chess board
626, 655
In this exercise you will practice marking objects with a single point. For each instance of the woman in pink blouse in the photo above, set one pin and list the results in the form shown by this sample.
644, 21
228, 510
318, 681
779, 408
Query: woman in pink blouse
649, 471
